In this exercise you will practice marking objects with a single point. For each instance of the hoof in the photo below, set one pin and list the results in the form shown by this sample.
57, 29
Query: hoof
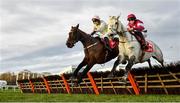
123, 80
111, 76
74, 84
73, 81
72, 78
124, 62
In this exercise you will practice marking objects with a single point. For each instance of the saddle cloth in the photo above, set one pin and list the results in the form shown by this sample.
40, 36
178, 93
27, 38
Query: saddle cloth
112, 43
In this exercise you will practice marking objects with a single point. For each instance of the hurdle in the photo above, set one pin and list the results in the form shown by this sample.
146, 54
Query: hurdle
154, 81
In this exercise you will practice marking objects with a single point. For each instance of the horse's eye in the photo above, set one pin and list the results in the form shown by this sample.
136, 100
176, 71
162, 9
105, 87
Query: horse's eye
116, 23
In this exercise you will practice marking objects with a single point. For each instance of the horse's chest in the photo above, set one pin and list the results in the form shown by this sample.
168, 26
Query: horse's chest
125, 48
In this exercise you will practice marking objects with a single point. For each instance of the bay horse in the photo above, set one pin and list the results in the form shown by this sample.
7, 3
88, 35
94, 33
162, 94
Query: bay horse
130, 48
94, 49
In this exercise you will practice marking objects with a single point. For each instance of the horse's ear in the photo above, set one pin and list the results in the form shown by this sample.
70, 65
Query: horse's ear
118, 16
71, 26
77, 26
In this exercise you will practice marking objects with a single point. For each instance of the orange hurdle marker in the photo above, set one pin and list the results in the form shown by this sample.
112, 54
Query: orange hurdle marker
47, 86
93, 83
20, 85
133, 83
66, 84
32, 86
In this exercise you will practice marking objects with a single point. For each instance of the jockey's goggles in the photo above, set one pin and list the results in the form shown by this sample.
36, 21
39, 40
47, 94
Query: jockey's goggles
131, 19
95, 20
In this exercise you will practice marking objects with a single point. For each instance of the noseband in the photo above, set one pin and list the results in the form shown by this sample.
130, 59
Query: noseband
77, 36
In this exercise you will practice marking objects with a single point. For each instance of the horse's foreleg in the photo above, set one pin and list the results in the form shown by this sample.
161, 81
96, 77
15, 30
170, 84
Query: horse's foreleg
129, 66
83, 63
84, 73
116, 63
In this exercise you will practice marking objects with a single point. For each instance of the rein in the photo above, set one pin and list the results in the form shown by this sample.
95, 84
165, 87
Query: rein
89, 45
80, 39
120, 32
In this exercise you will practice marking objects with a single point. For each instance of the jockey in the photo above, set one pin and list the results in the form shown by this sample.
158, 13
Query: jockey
100, 28
135, 27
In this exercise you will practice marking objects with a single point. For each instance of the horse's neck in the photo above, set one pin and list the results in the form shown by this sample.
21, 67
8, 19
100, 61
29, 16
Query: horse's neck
122, 29
124, 36
85, 38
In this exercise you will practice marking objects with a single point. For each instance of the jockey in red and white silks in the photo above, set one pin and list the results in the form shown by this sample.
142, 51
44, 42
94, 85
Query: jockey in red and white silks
135, 27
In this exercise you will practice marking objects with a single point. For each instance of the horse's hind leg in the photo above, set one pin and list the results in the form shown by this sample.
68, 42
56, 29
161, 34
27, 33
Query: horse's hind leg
149, 62
160, 60
158, 55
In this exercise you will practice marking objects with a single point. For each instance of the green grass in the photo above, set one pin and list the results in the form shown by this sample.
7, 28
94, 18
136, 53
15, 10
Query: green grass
9, 96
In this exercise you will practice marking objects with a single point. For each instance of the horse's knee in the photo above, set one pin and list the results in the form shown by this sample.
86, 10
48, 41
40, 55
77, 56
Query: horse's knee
132, 58
124, 61
130, 63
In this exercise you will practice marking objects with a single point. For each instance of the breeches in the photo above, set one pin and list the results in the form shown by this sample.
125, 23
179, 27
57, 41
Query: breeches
139, 36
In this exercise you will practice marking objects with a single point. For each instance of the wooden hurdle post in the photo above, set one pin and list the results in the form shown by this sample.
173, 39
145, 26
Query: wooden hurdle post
133, 83
66, 84
47, 85
31, 84
93, 83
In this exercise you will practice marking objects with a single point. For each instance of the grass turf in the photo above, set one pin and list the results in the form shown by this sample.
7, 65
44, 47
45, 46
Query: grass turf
9, 96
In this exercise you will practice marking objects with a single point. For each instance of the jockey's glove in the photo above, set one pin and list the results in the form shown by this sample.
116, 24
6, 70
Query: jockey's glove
130, 29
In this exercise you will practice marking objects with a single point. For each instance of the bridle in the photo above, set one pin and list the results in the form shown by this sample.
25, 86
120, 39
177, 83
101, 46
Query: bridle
115, 31
121, 32
80, 39
76, 36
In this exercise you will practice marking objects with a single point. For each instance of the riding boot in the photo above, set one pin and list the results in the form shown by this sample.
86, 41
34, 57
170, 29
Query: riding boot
139, 36
116, 40
107, 44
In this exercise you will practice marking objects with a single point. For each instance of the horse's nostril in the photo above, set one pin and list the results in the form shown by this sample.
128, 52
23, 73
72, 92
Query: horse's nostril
67, 43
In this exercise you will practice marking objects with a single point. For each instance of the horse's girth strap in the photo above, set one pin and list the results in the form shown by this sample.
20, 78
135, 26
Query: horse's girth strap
122, 41
91, 45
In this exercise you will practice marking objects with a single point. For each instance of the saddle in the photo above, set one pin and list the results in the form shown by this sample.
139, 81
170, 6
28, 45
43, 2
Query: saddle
112, 43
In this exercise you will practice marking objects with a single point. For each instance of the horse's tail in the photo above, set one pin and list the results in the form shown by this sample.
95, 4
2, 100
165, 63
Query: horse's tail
158, 55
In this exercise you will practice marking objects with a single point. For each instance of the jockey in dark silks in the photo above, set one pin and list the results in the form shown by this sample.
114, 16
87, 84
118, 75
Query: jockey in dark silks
135, 27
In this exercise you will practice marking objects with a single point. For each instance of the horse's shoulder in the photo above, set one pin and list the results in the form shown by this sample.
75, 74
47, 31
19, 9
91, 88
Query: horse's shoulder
98, 39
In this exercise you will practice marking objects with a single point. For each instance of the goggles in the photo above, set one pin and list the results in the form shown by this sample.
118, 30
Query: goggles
131, 19
95, 20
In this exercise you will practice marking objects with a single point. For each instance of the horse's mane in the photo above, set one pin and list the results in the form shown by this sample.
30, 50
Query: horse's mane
86, 35
121, 28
